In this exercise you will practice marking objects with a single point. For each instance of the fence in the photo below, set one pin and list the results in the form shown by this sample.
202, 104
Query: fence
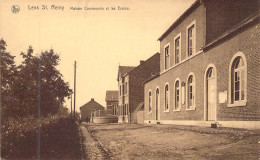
102, 113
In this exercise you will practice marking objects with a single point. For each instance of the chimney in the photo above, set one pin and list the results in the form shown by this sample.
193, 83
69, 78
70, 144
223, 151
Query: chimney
92, 99
141, 62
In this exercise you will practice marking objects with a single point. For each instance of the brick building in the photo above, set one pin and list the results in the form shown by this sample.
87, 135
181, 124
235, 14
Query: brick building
209, 67
111, 100
131, 90
86, 109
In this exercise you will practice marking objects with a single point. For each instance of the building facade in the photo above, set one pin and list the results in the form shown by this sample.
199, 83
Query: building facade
111, 101
209, 67
88, 108
131, 90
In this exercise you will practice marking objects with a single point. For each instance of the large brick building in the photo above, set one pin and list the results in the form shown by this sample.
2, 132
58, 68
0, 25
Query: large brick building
131, 90
209, 67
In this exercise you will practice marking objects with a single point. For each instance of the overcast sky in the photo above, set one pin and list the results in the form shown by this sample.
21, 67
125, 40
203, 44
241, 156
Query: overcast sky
98, 40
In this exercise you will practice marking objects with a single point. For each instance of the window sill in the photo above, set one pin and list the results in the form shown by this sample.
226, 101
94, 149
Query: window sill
182, 61
149, 113
237, 104
167, 111
177, 110
191, 109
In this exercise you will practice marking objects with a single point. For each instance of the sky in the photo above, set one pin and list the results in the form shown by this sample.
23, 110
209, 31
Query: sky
98, 40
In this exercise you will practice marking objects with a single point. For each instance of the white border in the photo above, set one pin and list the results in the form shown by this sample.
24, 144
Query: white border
241, 103
211, 65
169, 50
176, 37
194, 90
187, 28
177, 110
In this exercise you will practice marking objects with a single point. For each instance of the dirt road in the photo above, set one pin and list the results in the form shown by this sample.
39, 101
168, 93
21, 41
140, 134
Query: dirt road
133, 141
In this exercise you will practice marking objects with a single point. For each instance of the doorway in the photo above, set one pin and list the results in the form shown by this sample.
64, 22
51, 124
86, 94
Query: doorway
211, 94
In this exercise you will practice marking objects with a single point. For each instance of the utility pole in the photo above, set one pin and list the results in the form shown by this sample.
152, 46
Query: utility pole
71, 105
75, 65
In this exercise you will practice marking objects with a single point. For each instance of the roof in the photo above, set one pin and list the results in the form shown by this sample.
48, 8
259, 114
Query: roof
143, 62
151, 78
111, 95
140, 107
124, 69
92, 104
180, 19
236, 29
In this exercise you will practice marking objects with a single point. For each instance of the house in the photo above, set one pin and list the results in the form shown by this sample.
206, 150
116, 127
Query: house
209, 67
86, 109
111, 100
131, 90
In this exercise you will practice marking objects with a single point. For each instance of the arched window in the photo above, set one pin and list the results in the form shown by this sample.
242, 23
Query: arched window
238, 80
177, 95
167, 97
150, 102
191, 93
237, 90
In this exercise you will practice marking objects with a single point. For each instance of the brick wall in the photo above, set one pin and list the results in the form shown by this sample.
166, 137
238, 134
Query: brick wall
199, 16
138, 76
247, 41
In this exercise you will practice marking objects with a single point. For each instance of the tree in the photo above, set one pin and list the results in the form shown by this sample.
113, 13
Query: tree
35, 81
8, 74
39, 77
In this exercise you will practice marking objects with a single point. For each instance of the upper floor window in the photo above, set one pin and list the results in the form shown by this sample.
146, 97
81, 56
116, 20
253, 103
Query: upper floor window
126, 87
191, 39
150, 102
177, 50
177, 95
167, 57
120, 92
191, 93
167, 97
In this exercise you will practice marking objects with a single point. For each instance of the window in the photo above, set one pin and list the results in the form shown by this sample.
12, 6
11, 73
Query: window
150, 102
167, 57
237, 90
166, 97
177, 50
125, 87
191, 93
238, 80
177, 95
191, 38
120, 90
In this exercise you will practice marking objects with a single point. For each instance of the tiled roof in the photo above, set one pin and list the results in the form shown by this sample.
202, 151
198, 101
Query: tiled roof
112, 96
92, 104
124, 69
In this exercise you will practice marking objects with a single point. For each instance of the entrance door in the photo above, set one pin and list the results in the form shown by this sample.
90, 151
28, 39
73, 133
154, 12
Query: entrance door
157, 104
211, 95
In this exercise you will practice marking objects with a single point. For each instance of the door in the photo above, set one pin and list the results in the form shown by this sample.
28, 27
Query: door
157, 104
211, 95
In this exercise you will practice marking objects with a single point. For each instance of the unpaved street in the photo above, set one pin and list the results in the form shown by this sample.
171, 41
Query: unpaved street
133, 141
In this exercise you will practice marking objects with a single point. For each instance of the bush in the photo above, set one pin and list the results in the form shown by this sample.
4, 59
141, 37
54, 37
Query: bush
56, 135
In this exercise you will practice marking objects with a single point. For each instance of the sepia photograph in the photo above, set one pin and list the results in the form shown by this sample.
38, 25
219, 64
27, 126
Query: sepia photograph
130, 79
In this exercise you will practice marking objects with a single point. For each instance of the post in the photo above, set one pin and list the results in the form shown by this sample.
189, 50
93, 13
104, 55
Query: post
71, 105
74, 87
39, 111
